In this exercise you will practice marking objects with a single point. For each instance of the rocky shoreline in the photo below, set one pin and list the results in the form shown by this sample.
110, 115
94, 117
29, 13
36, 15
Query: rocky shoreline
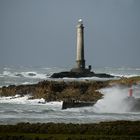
87, 90
57, 90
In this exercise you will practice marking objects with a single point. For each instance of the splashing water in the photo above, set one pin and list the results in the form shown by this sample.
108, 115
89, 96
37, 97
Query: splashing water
113, 100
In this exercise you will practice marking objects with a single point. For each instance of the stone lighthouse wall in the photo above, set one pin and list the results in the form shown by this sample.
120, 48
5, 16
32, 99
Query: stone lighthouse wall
80, 46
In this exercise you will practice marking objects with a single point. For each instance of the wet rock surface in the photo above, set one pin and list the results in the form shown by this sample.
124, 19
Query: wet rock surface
58, 90
75, 104
71, 74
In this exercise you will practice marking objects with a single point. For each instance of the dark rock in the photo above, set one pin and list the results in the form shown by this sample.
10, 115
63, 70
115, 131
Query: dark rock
19, 75
75, 104
103, 75
31, 74
71, 74
133, 103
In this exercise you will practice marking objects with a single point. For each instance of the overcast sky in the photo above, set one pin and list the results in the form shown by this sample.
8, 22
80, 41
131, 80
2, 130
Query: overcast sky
43, 32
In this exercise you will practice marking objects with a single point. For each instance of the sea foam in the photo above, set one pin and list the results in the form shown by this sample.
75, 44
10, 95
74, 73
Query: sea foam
17, 99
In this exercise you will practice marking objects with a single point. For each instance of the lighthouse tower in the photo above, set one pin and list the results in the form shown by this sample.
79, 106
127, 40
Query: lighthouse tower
80, 60
80, 45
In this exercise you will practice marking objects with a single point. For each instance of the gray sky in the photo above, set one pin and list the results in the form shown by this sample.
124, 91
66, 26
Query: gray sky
43, 32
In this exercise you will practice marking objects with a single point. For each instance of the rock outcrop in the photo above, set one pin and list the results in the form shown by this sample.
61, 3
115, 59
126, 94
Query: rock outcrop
62, 91
71, 74
58, 90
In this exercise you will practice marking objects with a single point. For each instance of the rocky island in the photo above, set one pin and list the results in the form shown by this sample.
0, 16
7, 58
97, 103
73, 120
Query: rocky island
80, 69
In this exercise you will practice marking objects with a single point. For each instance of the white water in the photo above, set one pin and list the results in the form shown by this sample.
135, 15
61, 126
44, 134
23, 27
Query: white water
113, 101
23, 75
22, 109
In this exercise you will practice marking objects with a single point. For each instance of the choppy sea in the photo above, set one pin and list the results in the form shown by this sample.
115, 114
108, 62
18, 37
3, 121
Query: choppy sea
16, 109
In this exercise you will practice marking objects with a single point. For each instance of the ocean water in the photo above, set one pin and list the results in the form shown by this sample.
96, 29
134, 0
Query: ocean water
22, 109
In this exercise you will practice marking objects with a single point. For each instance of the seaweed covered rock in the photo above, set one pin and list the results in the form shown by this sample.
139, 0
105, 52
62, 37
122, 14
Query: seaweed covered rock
58, 90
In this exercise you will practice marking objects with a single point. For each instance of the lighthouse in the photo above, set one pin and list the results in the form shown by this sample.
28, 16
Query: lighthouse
80, 60
80, 45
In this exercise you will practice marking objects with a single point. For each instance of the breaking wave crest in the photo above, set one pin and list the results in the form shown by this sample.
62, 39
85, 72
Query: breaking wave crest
113, 100
17, 99
29, 74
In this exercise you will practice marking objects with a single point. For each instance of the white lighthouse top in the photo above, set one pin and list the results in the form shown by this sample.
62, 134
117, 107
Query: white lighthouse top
80, 21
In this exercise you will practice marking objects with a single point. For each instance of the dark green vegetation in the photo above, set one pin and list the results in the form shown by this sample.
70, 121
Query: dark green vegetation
118, 130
